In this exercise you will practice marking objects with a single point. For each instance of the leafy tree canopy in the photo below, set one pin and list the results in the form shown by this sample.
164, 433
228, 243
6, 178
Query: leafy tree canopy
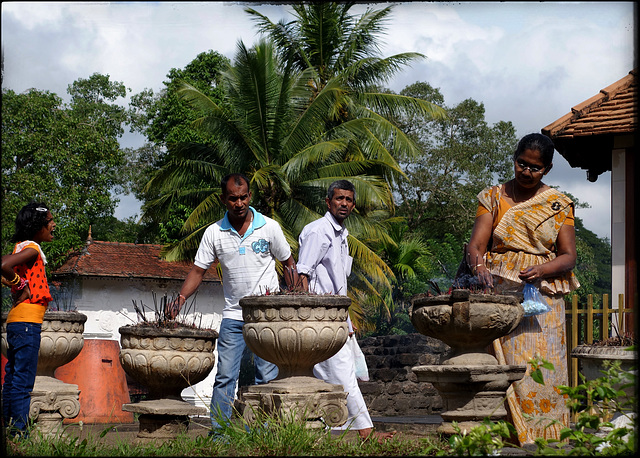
66, 156
459, 156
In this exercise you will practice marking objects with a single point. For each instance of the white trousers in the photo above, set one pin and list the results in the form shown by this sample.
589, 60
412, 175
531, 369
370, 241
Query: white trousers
340, 369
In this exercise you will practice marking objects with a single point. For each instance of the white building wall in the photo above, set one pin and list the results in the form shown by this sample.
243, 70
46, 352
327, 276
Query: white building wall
618, 244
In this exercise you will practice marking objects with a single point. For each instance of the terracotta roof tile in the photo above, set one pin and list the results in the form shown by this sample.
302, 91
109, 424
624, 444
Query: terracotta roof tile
614, 110
126, 260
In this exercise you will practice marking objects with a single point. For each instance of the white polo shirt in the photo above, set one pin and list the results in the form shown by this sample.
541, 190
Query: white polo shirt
248, 263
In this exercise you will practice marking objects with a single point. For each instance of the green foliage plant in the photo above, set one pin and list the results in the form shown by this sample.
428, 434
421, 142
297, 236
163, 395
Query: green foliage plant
66, 155
592, 434
269, 435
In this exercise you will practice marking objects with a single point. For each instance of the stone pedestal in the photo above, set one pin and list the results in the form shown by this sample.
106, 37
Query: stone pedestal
162, 419
53, 401
472, 384
166, 360
307, 399
295, 332
470, 393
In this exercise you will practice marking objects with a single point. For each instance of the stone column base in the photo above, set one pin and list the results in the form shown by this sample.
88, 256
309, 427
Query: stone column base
470, 393
299, 398
51, 402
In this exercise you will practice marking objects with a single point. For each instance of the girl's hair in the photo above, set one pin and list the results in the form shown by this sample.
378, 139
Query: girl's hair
31, 218
536, 142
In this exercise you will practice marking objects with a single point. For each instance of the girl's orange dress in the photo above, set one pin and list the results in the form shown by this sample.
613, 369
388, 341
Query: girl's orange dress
32, 310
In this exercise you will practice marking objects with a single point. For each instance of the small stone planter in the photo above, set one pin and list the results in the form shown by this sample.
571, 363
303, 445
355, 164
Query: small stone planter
295, 332
592, 358
61, 341
471, 383
166, 361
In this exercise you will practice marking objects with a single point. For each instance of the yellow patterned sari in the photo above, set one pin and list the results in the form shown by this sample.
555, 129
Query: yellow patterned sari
525, 235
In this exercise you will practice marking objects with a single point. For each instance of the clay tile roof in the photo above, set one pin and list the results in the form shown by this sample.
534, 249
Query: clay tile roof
614, 110
126, 260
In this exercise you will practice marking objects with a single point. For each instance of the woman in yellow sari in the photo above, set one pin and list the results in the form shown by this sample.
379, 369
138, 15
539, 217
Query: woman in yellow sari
524, 233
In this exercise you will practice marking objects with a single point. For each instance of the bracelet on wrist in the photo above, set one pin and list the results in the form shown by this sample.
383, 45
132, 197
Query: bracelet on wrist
475, 269
20, 286
15, 281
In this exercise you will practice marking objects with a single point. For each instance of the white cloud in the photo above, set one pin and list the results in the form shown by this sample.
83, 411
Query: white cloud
528, 62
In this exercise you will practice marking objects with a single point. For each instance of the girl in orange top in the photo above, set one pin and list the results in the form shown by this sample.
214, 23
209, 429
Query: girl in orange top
24, 271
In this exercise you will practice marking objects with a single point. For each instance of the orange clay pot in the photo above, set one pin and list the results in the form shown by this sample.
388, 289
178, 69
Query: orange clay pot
102, 383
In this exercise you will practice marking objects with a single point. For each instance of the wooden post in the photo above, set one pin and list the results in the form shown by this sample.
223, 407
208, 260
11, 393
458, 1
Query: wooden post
589, 336
620, 313
605, 316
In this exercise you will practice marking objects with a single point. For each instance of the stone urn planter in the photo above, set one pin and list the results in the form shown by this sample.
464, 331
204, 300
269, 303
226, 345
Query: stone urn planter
61, 341
295, 332
166, 360
592, 363
470, 381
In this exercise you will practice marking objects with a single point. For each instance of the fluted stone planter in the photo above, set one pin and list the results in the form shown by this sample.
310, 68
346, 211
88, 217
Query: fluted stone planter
295, 332
592, 358
61, 341
166, 361
471, 382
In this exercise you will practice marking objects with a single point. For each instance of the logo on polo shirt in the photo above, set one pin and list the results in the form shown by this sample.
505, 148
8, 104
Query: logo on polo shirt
260, 246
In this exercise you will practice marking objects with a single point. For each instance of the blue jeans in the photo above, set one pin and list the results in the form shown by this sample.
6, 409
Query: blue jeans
231, 346
23, 342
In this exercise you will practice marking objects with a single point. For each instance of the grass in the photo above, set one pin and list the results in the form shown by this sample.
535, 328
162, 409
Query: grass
269, 436
595, 402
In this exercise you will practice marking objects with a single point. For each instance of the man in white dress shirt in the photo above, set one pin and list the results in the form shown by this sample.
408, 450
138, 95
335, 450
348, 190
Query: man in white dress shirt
324, 265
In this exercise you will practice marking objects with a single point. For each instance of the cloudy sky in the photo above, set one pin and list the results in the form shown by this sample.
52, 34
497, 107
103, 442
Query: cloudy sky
528, 62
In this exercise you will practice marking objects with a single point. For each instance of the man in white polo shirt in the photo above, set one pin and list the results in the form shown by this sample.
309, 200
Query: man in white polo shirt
247, 244
324, 265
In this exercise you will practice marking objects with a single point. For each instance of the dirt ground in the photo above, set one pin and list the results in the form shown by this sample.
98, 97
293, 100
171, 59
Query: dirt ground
123, 433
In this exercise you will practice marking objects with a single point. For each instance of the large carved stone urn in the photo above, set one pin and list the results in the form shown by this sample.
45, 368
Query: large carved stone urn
166, 361
53, 400
470, 381
295, 332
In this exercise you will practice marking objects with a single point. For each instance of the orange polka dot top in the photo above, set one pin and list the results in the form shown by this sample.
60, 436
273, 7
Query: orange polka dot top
32, 310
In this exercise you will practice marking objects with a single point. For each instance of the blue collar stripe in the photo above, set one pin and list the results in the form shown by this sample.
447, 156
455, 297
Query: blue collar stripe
258, 221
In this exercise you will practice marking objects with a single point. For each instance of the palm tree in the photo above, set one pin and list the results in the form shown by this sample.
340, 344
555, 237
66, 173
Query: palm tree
326, 37
407, 255
293, 129
338, 45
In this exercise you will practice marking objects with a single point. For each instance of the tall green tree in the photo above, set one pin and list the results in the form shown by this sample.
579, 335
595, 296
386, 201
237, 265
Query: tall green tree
290, 146
166, 120
326, 36
164, 117
66, 155
295, 125
459, 156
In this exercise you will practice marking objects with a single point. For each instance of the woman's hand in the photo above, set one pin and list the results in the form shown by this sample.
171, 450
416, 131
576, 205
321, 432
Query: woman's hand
485, 277
532, 274
21, 295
